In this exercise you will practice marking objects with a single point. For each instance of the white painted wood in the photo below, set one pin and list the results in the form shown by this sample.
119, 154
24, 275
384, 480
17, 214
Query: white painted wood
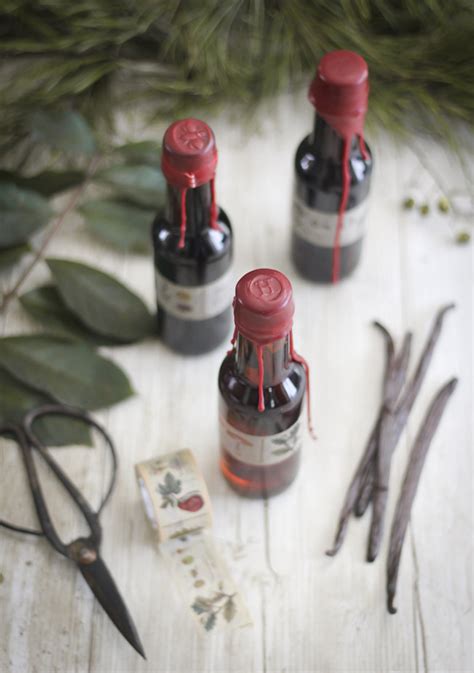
310, 613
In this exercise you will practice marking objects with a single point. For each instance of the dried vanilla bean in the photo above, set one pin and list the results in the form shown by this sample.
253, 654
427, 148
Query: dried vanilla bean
398, 377
393, 423
410, 485
370, 449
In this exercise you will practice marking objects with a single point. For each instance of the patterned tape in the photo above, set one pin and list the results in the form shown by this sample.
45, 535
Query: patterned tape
178, 507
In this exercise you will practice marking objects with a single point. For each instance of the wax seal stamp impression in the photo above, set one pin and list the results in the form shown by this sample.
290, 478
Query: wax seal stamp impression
193, 135
265, 287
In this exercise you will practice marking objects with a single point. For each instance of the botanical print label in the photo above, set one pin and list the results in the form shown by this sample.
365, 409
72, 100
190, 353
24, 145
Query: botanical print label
205, 583
195, 303
260, 450
175, 495
177, 503
319, 228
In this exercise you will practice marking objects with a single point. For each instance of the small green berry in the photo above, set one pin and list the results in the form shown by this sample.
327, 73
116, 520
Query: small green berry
443, 205
424, 209
463, 237
408, 203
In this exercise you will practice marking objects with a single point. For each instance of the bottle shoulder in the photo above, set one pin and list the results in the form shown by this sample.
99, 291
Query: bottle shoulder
310, 165
319, 179
237, 391
203, 259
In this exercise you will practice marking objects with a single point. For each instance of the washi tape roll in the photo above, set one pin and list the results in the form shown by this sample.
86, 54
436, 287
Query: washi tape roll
178, 506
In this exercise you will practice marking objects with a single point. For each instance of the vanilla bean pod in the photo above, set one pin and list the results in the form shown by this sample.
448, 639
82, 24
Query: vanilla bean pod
392, 426
400, 369
370, 449
410, 484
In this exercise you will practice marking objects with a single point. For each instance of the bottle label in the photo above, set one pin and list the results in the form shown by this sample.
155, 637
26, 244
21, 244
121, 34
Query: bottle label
194, 303
257, 449
319, 228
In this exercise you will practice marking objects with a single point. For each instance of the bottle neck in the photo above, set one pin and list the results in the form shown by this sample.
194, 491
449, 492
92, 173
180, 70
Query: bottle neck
327, 142
198, 207
275, 358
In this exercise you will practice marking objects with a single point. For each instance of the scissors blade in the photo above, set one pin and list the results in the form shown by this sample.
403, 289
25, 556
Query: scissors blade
105, 590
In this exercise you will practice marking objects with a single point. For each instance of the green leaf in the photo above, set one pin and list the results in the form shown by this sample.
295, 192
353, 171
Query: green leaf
46, 306
47, 183
10, 256
67, 131
144, 152
210, 622
124, 226
100, 301
70, 372
140, 184
22, 212
17, 399
172, 484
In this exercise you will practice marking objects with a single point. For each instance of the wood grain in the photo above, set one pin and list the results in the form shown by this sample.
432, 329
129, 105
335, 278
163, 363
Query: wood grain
310, 612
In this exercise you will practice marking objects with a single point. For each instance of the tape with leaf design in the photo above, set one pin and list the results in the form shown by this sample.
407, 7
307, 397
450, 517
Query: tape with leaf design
178, 506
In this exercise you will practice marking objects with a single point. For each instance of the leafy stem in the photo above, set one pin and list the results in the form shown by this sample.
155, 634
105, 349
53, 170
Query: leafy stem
9, 295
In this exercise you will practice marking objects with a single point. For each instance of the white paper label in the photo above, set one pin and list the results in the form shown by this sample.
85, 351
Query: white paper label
257, 449
319, 228
195, 303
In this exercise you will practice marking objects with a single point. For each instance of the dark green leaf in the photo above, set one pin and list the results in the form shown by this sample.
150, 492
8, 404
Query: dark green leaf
17, 399
140, 184
143, 152
22, 212
67, 131
172, 484
10, 256
100, 301
71, 372
46, 306
198, 607
125, 226
210, 622
46, 183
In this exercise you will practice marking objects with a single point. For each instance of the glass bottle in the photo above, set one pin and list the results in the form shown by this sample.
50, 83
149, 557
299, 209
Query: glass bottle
333, 168
262, 383
192, 242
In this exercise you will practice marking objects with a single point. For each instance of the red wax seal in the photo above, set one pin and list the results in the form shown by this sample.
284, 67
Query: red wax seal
263, 305
340, 91
189, 154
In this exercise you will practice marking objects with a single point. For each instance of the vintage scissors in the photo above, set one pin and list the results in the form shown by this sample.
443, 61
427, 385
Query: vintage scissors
84, 551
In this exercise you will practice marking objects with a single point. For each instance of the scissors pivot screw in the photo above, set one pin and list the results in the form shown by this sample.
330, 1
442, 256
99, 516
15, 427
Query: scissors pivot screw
82, 553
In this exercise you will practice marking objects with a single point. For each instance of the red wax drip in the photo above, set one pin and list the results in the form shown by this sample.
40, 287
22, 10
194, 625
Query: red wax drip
183, 218
362, 147
214, 224
261, 403
232, 341
298, 358
346, 183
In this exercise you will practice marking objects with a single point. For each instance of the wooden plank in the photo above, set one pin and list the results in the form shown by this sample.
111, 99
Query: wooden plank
437, 271
310, 613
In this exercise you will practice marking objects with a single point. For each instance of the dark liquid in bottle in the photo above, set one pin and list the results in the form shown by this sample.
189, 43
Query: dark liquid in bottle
284, 389
318, 185
205, 257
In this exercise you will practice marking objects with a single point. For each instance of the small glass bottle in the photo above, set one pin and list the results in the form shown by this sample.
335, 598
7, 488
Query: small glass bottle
192, 243
262, 383
333, 167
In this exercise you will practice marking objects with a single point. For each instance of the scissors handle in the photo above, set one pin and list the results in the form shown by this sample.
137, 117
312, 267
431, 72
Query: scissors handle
28, 442
38, 499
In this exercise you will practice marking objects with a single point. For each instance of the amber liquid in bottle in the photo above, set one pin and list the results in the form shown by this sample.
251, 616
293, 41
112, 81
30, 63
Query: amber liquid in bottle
317, 196
254, 462
204, 259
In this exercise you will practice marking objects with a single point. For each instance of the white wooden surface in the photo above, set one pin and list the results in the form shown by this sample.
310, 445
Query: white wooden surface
310, 613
